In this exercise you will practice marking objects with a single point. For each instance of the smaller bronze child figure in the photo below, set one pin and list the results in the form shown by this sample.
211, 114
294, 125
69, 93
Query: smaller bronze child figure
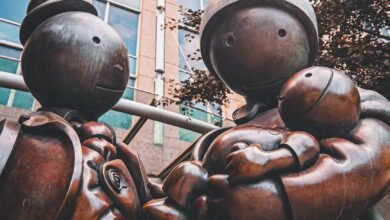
321, 101
59, 162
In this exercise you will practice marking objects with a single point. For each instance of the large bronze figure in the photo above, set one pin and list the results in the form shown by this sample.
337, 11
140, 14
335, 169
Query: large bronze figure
317, 149
58, 162
306, 146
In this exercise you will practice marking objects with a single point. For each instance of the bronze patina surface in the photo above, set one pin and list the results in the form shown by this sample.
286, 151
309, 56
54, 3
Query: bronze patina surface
74, 60
254, 46
318, 148
322, 152
58, 162
321, 101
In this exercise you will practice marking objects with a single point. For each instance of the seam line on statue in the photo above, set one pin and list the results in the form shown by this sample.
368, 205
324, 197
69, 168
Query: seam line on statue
322, 94
108, 89
294, 153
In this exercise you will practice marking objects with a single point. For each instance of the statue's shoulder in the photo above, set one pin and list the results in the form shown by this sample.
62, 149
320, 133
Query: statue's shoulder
41, 160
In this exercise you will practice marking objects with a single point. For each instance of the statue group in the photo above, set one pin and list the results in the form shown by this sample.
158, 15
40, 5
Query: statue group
308, 144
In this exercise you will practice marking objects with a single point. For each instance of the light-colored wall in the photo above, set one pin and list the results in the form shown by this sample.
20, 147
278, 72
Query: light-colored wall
146, 46
155, 157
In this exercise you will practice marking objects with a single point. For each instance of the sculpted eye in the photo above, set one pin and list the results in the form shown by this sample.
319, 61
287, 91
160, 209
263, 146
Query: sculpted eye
229, 40
282, 33
96, 40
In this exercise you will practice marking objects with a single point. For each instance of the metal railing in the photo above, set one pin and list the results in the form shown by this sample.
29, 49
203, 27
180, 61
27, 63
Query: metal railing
13, 81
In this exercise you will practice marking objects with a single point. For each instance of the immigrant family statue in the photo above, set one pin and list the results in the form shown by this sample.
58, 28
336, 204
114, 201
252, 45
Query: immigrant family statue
308, 144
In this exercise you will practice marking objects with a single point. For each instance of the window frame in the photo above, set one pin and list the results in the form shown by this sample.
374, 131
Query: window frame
16, 46
9, 43
189, 71
107, 5
181, 52
181, 26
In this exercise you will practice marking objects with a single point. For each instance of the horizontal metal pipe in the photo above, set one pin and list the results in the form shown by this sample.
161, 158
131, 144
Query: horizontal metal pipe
158, 114
13, 81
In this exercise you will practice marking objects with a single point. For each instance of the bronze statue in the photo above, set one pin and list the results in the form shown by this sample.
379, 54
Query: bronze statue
318, 148
58, 162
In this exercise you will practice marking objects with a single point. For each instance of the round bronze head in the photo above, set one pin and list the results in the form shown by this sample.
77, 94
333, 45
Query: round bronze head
74, 60
254, 46
320, 100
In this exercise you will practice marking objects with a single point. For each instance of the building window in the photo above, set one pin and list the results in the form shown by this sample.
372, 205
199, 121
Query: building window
189, 43
119, 119
206, 113
12, 13
123, 16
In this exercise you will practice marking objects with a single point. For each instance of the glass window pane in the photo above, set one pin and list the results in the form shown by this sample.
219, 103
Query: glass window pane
133, 65
190, 4
117, 119
4, 95
199, 114
201, 106
9, 66
186, 5
23, 100
205, 2
9, 32
216, 120
189, 44
10, 52
126, 24
128, 94
100, 7
183, 76
215, 109
131, 82
186, 135
13, 10
130, 3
